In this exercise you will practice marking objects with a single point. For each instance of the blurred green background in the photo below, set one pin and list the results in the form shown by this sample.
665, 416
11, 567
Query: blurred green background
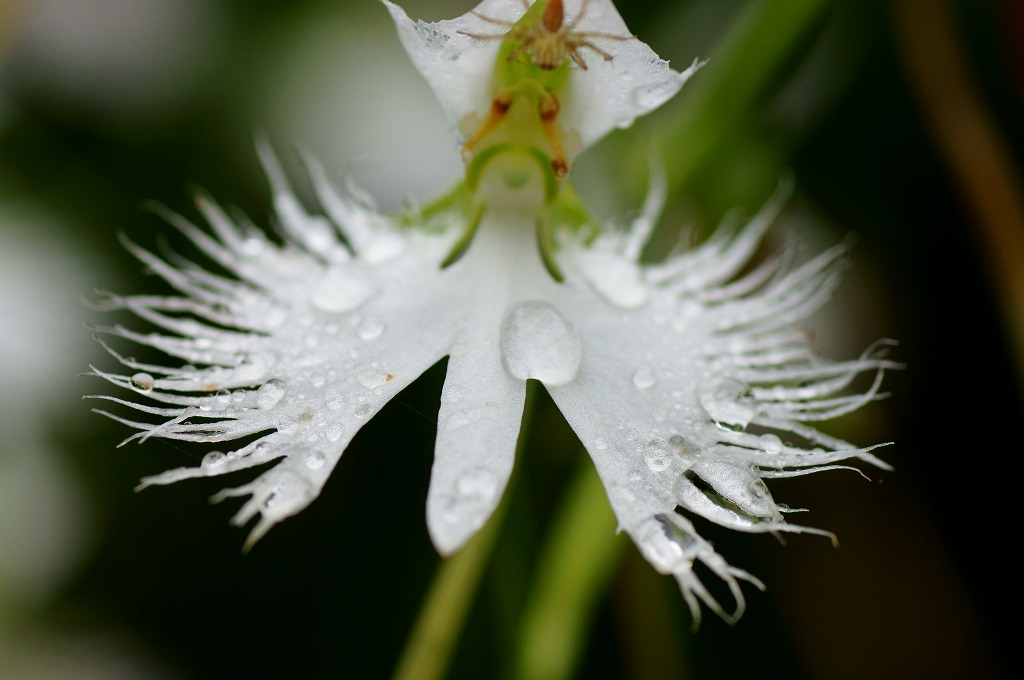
106, 104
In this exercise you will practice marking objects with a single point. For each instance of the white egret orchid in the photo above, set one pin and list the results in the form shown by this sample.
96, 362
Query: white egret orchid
688, 383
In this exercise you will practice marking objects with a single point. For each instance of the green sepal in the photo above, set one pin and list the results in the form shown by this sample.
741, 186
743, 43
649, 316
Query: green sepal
460, 247
439, 215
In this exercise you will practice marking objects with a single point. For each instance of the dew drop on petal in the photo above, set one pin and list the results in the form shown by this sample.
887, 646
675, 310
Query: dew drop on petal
338, 291
728, 402
601, 443
644, 377
538, 342
657, 456
371, 329
373, 379
271, 393
143, 381
771, 443
477, 485
316, 458
334, 433
254, 367
662, 552
213, 459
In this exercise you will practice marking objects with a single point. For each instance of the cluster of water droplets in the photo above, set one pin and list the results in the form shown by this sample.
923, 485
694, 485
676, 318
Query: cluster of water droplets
302, 347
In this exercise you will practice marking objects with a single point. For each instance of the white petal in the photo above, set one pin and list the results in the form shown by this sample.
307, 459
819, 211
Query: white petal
482, 401
477, 429
310, 343
458, 68
613, 94
667, 388
608, 95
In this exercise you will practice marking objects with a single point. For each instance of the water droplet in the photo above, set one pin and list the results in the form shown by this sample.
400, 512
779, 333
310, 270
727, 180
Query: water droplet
213, 459
373, 379
254, 368
644, 377
364, 410
371, 329
317, 380
678, 445
771, 443
658, 456
759, 490
316, 458
222, 399
339, 291
538, 342
271, 393
728, 402
143, 382
334, 433
601, 443
478, 485
662, 552
290, 495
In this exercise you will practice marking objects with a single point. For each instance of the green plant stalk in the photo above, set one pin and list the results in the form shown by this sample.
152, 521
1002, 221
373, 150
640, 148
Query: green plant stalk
575, 567
429, 650
763, 41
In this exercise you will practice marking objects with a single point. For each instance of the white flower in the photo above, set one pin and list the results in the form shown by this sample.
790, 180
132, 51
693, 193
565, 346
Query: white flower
688, 386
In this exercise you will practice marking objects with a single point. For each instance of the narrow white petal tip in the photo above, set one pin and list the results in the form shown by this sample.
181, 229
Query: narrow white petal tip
453, 518
458, 506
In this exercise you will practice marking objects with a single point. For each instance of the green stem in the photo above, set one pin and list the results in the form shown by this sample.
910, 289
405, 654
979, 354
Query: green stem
744, 67
430, 646
575, 568
437, 629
